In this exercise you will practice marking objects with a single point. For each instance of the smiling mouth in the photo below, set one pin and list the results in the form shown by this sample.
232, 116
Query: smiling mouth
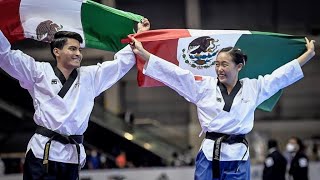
77, 59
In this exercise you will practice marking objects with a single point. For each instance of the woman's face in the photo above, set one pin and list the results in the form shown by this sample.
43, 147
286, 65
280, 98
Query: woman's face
227, 70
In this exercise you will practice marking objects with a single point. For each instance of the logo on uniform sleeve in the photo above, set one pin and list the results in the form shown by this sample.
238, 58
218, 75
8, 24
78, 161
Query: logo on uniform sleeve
201, 52
303, 162
54, 81
269, 162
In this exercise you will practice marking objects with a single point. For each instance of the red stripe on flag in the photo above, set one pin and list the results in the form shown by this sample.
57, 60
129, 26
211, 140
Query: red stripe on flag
198, 78
10, 23
158, 35
166, 49
162, 43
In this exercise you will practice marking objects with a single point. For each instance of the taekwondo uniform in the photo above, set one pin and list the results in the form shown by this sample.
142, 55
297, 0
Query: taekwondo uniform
62, 106
223, 116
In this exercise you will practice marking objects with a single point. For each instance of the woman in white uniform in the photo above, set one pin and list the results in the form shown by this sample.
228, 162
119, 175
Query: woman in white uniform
225, 105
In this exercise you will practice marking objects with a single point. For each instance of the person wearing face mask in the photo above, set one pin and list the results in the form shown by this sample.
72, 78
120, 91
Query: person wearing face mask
275, 164
299, 161
225, 104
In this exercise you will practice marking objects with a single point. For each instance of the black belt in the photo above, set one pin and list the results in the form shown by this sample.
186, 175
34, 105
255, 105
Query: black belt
218, 139
64, 139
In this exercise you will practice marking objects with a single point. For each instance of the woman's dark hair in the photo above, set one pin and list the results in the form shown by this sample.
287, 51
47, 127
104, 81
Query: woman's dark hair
60, 39
300, 144
237, 55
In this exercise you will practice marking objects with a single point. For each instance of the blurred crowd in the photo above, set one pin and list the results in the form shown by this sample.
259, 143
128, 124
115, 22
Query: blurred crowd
292, 163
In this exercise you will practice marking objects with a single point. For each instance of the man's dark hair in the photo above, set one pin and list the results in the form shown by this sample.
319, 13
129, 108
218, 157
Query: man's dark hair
272, 143
60, 39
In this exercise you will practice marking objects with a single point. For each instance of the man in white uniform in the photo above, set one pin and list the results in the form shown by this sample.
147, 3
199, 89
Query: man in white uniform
63, 98
225, 105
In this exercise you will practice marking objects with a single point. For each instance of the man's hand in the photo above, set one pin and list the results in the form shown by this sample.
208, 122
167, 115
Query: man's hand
138, 49
144, 25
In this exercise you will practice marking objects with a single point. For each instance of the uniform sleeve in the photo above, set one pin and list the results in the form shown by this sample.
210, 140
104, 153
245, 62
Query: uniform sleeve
280, 78
109, 72
17, 64
180, 80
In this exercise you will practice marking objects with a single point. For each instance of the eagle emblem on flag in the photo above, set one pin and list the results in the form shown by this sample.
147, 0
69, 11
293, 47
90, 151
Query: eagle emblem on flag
201, 52
45, 30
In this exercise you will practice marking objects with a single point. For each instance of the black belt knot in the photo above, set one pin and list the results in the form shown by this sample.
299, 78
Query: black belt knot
218, 139
64, 139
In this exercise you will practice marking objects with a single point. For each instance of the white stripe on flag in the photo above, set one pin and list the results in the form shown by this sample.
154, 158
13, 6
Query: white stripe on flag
199, 32
64, 14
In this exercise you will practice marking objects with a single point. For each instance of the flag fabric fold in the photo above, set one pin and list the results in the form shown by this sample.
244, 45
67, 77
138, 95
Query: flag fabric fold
196, 51
101, 27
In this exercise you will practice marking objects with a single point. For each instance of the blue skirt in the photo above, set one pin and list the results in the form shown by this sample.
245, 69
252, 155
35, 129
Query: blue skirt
228, 169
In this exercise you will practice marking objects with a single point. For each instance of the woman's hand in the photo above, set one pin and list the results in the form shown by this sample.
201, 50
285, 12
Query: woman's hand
306, 56
310, 45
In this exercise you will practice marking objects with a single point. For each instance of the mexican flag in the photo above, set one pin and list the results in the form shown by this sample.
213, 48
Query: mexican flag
196, 51
101, 27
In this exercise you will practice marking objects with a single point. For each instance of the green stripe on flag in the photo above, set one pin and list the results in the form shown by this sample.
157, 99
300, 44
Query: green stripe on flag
104, 27
266, 52
288, 36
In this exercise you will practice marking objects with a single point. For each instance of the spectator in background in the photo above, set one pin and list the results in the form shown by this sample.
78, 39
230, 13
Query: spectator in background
2, 167
315, 152
300, 162
103, 161
121, 160
94, 160
275, 164
128, 118
176, 160
188, 157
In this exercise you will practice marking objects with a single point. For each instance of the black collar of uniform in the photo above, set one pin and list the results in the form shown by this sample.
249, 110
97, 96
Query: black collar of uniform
59, 74
66, 83
228, 98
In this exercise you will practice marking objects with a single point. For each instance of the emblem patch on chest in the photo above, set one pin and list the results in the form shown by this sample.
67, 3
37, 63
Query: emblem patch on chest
218, 99
54, 81
244, 100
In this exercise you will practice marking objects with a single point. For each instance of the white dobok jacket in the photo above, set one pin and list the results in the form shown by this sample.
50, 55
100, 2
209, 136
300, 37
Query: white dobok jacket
68, 115
206, 95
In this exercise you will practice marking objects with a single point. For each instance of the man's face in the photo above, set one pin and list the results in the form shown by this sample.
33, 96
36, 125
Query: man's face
70, 56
